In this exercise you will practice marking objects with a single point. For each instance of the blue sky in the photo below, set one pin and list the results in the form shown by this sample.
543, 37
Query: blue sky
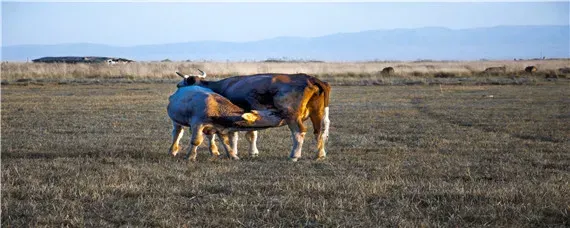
131, 23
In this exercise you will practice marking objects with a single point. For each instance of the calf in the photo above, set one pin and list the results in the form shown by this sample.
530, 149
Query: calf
207, 112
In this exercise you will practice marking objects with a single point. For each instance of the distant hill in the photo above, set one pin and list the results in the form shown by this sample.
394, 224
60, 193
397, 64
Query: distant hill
81, 59
435, 43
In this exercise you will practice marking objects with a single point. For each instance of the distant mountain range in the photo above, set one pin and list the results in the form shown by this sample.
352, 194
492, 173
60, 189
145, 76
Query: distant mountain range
435, 43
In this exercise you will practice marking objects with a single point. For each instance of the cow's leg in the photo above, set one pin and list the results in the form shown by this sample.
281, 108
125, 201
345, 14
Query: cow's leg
321, 122
298, 131
251, 137
177, 132
214, 152
226, 143
195, 141
293, 105
234, 140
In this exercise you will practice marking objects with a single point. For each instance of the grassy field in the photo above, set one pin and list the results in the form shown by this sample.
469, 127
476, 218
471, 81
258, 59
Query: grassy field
411, 156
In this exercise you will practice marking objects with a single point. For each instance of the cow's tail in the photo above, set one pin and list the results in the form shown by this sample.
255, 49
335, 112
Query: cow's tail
324, 90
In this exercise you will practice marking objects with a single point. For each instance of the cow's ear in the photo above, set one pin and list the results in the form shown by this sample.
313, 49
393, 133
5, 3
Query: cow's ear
249, 117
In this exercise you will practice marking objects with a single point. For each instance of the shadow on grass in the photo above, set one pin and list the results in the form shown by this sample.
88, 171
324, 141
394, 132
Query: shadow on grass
419, 104
147, 156
41, 155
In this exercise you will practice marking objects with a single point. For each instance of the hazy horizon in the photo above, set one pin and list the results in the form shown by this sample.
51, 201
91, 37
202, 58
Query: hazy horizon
277, 37
133, 23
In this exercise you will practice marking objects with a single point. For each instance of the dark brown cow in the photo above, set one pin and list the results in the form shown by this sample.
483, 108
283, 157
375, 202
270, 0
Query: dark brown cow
530, 69
388, 71
564, 70
296, 97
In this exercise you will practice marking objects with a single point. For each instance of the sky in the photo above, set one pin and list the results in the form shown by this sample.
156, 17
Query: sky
136, 23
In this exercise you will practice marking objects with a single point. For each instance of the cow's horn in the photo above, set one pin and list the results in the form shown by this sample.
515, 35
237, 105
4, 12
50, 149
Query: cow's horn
182, 75
203, 74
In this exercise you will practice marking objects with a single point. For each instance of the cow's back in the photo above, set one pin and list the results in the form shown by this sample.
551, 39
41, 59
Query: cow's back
262, 88
187, 102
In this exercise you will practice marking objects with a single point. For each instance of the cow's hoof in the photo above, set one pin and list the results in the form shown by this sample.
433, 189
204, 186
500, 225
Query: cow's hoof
321, 158
293, 159
172, 153
254, 155
234, 158
191, 159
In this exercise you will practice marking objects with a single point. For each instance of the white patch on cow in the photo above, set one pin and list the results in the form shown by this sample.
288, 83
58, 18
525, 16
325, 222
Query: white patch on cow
177, 133
298, 138
234, 138
251, 137
179, 136
325, 125
214, 152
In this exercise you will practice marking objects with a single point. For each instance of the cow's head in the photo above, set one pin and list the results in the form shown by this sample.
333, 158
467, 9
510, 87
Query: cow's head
250, 117
190, 79
263, 118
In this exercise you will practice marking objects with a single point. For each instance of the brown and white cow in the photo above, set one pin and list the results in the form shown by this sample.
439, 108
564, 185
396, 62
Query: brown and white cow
207, 112
296, 97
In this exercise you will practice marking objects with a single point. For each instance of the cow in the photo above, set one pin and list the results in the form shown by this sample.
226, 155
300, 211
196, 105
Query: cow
564, 70
296, 97
530, 69
204, 111
388, 71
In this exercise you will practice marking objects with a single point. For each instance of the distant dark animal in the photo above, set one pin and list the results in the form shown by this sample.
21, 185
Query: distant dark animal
296, 97
564, 70
502, 69
530, 69
551, 74
24, 80
388, 71
444, 75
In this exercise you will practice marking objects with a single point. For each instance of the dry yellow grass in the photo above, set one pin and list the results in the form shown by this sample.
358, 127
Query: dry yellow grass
165, 70
96, 156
